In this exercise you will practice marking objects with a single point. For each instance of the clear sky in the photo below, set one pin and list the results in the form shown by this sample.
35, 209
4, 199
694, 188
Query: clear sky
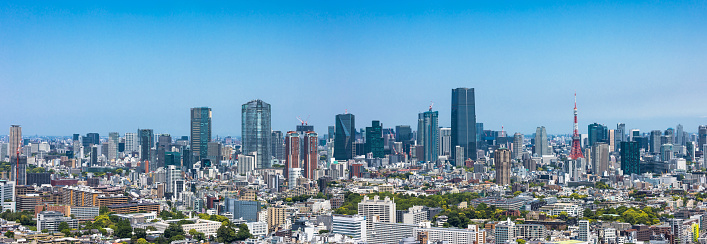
89, 66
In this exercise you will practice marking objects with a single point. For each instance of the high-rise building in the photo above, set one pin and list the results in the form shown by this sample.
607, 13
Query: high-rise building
173, 174
630, 157
701, 136
331, 130
91, 139
93, 160
19, 169
505, 231
15, 140
276, 217
428, 135
597, 133
344, 136
655, 141
377, 210
666, 152
583, 233
215, 152
620, 134
541, 145
445, 141
517, 145
353, 226
164, 144
248, 210
600, 158
302, 130
502, 159
291, 152
309, 162
679, 135
374, 139
256, 131
145, 141
403, 134
113, 145
464, 121
278, 145
611, 141
200, 132
131, 142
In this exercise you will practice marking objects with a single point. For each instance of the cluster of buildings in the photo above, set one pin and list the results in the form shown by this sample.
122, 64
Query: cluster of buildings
291, 185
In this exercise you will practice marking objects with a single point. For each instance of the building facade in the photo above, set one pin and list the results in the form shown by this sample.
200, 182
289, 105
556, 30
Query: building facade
464, 121
256, 131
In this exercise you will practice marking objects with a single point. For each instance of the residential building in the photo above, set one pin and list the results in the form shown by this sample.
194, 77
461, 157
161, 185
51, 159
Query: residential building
311, 157
50, 220
276, 217
505, 231
291, 152
502, 159
349, 225
377, 210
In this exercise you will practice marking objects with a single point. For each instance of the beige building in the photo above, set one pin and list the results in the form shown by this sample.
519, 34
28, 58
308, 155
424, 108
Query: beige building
502, 159
276, 217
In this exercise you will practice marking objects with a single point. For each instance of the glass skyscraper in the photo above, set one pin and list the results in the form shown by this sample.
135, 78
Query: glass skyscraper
200, 132
344, 136
428, 135
630, 157
145, 141
256, 131
464, 121
374, 139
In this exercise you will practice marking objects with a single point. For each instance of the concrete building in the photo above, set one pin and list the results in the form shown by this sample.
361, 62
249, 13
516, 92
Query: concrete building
276, 217
505, 231
541, 143
208, 227
50, 220
353, 226
583, 232
600, 158
502, 159
414, 215
257, 228
377, 210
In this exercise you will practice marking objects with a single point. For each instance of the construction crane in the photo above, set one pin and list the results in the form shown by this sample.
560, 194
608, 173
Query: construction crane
303, 122
431, 103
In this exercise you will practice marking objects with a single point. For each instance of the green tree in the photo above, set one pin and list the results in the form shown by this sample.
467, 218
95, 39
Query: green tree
173, 230
520, 241
142, 241
140, 233
123, 229
10, 234
243, 232
63, 226
225, 234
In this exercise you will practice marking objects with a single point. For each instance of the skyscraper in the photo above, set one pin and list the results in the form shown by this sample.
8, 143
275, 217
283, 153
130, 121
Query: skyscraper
655, 141
256, 131
445, 142
113, 145
291, 152
701, 136
19, 169
600, 158
91, 139
374, 139
403, 133
200, 132
517, 145
428, 135
464, 121
541, 145
302, 130
345, 136
630, 157
620, 134
309, 162
16, 140
164, 145
502, 159
145, 141
583, 233
131, 144
679, 136
278, 145
597, 133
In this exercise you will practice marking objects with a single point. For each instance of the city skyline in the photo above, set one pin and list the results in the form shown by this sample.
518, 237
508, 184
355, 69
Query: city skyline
111, 68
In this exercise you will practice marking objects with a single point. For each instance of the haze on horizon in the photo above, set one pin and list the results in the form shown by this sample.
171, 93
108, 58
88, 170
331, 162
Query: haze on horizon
75, 67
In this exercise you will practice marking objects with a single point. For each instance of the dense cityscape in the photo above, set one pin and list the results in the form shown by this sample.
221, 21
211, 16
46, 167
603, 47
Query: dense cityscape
416, 183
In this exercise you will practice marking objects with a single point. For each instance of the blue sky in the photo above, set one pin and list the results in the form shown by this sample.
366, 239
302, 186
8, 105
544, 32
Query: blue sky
76, 67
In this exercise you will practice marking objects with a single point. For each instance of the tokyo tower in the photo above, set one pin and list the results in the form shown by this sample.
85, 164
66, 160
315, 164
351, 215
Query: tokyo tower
576, 151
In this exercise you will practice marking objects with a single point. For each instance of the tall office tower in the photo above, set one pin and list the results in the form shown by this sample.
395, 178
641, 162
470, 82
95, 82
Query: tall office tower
93, 160
620, 133
172, 174
445, 141
145, 140
464, 121
597, 133
131, 144
679, 135
256, 131
374, 139
19, 169
15, 140
278, 145
541, 145
666, 152
502, 159
583, 233
91, 139
634, 133
4, 151
344, 136
701, 136
403, 134
291, 152
655, 141
377, 210
164, 145
331, 130
600, 158
630, 157
690, 151
576, 151
311, 157
113, 145
479, 132
517, 145
200, 132
611, 141
505, 231
428, 135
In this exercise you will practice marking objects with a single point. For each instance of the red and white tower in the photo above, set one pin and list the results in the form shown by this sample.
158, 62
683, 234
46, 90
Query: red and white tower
576, 151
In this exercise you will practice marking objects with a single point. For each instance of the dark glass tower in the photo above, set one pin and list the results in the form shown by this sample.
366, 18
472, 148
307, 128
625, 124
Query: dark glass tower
630, 157
256, 131
464, 122
145, 140
428, 135
344, 136
403, 133
200, 132
374, 139
597, 133
278, 145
